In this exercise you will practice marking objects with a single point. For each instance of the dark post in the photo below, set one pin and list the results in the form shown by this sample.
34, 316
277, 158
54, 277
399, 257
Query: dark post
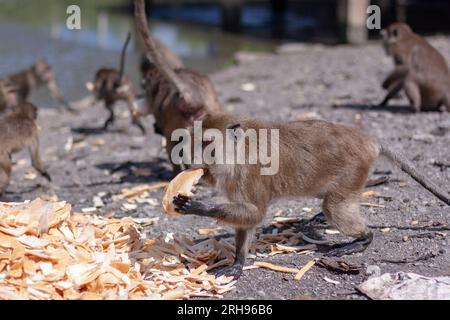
352, 16
278, 7
231, 15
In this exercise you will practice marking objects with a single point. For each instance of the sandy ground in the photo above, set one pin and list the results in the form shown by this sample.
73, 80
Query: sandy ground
411, 227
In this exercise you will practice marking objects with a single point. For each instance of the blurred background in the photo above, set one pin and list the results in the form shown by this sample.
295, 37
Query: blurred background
205, 33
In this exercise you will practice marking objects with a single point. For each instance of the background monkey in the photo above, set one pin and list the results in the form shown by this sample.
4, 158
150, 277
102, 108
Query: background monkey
19, 130
36, 76
175, 97
111, 85
8, 95
420, 70
316, 159
171, 58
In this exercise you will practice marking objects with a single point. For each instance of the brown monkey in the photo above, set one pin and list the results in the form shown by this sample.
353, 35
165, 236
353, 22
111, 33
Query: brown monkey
420, 70
8, 95
172, 59
19, 130
316, 159
111, 85
37, 75
175, 97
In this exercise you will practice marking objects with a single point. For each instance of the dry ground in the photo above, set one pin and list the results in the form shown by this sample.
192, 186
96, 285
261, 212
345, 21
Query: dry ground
286, 86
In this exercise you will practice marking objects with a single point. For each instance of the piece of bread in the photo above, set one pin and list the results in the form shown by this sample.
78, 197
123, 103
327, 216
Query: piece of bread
182, 184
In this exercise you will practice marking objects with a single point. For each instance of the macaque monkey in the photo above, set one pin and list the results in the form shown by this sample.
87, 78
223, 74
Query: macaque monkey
111, 85
175, 97
316, 159
8, 95
19, 130
171, 58
420, 70
36, 76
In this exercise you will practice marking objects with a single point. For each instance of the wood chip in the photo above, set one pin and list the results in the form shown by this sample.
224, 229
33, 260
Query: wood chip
90, 257
369, 204
305, 269
275, 267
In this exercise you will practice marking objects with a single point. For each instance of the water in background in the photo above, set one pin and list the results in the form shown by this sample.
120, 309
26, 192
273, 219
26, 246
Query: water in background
30, 29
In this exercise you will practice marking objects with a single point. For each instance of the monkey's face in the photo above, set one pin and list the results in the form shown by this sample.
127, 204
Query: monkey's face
43, 71
214, 144
8, 94
395, 33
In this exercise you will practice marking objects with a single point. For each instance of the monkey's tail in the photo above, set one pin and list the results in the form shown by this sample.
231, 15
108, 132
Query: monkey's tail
152, 53
406, 166
122, 57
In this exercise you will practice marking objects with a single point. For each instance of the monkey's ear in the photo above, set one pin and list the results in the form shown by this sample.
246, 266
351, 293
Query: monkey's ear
236, 135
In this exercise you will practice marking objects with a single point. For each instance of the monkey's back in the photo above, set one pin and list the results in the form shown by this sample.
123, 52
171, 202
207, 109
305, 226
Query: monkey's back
16, 130
106, 82
428, 67
318, 156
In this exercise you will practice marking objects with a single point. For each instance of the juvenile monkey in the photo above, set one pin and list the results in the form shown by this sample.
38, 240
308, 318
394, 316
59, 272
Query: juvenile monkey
420, 70
111, 85
8, 95
19, 130
175, 97
37, 75
316, 159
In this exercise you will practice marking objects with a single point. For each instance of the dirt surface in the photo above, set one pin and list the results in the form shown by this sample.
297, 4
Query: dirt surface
339, 84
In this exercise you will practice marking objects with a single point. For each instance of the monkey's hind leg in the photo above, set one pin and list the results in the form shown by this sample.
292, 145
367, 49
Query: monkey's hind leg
344, 214
5, 172
135, 120
413, 93
243, 239
111, 117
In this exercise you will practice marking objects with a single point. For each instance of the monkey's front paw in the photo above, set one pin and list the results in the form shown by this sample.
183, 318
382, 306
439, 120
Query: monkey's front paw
234, 271
182, 204
186, 205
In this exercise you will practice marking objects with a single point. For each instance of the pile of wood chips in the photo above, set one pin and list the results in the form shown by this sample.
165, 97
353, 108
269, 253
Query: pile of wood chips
49, 252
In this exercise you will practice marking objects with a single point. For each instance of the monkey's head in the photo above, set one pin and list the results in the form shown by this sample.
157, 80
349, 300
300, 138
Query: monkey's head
28, 110
8, 94
43, 71
227, 130
395, 33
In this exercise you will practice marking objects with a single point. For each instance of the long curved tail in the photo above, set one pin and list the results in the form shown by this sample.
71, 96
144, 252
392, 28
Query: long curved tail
408, 167
122, 57
152, 53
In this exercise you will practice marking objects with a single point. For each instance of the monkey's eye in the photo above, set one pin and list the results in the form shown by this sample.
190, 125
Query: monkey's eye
395, 33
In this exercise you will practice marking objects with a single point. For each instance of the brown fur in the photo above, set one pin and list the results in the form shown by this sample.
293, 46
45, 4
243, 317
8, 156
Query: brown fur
108, 89
420, 70
8, 95
176, 97
111, 86
172, 60
35, 76
316, 159
19, 130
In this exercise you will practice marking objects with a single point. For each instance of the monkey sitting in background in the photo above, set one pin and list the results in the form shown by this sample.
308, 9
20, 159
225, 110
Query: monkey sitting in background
8, 95
316, 159
420, 70
18, 131
111, 85
35, 76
